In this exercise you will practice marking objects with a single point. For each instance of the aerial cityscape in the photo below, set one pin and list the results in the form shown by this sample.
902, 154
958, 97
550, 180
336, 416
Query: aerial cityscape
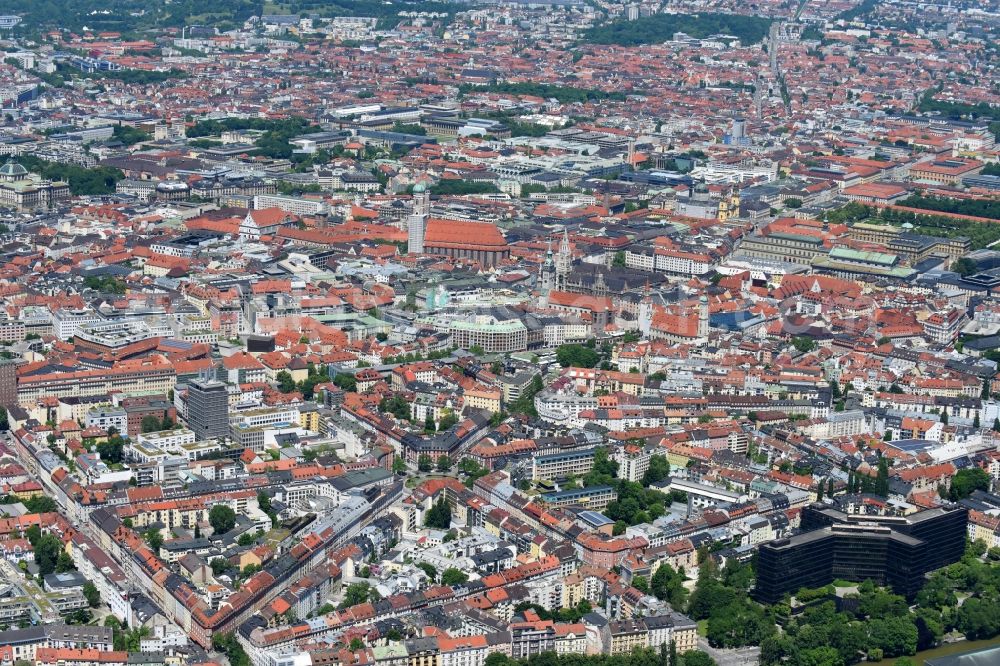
499, 333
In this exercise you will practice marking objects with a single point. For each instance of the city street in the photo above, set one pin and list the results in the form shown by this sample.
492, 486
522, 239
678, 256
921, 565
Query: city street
740, 657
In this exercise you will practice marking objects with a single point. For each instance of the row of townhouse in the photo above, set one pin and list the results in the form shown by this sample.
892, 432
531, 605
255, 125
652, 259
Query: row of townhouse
109, 578
523, 639
183, 604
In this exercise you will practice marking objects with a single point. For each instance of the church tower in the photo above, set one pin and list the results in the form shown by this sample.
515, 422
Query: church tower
645, 316
416, 223
703, 318
547, 276
564, 262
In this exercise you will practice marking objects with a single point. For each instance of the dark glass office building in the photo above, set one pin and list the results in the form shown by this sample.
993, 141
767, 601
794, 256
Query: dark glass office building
208, 408
893, 551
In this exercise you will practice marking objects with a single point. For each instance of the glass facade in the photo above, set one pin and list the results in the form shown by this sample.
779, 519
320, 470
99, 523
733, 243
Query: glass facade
834, 545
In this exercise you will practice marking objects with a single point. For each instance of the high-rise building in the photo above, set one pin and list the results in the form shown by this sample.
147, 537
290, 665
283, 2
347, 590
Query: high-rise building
208, 408
8, 382
896, 551
739, 129
416, 228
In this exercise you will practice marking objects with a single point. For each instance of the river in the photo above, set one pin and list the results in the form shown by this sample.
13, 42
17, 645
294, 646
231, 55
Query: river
943, 650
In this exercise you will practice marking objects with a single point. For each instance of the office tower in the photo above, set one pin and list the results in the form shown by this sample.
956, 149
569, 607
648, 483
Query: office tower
8, 382
739, 129
208, 408
896, 551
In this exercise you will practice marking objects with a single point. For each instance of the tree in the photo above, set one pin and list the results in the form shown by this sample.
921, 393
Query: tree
604, 470
667, 585
966, 481
47, 550
4, 420
882, 479
112, 450
803, 343
448, 421
227, 644
40, 504
222, 518
439, 515
150, 423
895, 636
91, 594
650, 29
425, 463
264, 501
739, 623
64, 563
659, 469
930, 627
498, 659
346, 381
220, 565
429, 425
398, 465
453, 576
285, 382
472, 470
979, 618
525, 404
835, 390
79, 616
577, 356
443, 463
698, 658
356, 593
153, 539
428, 569
397, 406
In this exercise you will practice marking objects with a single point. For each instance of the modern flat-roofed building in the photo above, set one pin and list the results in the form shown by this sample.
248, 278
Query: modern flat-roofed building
592, 497
208, 408
562, 465
893, 551
8, 382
